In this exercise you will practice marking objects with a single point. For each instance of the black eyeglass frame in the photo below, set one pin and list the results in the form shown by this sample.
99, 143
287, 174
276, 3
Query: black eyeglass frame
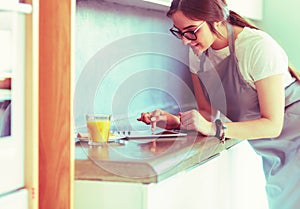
178, 34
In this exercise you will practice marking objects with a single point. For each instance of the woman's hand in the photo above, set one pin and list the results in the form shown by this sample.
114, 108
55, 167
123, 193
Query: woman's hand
161, 119
145, 117
193, 120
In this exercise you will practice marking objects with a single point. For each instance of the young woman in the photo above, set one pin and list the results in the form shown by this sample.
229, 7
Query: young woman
242, 72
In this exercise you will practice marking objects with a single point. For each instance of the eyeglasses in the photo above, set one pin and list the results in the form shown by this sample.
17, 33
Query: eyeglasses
190, 35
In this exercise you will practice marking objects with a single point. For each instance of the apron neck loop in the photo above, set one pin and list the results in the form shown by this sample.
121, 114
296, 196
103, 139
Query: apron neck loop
230, 38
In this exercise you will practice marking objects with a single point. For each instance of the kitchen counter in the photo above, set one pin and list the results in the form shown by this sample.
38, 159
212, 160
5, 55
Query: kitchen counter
145, 161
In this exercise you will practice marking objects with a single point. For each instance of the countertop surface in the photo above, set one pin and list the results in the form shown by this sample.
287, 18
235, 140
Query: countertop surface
145, 160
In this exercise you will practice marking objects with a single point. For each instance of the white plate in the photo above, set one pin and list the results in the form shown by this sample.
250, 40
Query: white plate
83, 137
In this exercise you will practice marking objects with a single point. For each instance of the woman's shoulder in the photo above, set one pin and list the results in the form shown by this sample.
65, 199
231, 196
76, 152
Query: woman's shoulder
253, 41
250, 37
259, 54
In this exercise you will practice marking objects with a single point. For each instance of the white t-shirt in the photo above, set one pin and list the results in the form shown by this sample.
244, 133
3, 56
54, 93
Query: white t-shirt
258, 55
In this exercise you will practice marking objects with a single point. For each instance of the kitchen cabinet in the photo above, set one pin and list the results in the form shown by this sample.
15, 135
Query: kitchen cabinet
191, 183
249, 9
202, 186
209, 175
199, 187
247, 178
190, 172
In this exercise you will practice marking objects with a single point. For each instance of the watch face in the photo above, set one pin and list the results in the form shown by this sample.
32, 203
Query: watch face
219, 129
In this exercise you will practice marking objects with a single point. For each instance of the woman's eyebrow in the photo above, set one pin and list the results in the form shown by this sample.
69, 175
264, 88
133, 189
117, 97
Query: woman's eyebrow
185, 28
188, 27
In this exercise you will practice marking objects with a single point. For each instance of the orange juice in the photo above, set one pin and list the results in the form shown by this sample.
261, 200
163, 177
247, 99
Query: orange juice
98, 129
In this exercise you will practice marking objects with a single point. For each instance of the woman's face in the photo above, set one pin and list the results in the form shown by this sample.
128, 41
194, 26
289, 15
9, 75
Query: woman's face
205, 38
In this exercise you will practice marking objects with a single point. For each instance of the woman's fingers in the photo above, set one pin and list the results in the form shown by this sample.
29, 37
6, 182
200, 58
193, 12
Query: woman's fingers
155, 116
190, 120
153, 124
160, 118
186, 118
145, 117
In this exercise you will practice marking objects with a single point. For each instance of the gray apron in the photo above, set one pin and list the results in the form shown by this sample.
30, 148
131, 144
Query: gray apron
227, 91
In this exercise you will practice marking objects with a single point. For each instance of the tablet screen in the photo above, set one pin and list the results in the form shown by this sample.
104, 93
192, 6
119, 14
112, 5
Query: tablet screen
148, 134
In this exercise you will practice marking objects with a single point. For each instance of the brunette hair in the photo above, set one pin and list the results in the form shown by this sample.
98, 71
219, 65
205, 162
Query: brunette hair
210, 11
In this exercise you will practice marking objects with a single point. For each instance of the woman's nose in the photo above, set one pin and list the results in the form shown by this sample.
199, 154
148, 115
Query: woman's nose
185, 41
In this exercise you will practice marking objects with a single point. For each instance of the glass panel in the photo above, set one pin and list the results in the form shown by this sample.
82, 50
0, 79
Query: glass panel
5, 82
12, 69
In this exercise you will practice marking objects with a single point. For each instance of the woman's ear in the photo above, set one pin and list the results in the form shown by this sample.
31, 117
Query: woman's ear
220, 27
217, 25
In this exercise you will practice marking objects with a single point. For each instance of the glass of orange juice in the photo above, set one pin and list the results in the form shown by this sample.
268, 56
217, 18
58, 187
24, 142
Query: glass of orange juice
98, 126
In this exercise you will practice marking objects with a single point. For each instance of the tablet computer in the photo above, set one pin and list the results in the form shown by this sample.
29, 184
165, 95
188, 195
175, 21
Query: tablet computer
149, 135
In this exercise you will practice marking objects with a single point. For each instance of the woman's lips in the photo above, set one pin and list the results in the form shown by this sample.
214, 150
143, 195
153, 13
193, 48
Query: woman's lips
196, 49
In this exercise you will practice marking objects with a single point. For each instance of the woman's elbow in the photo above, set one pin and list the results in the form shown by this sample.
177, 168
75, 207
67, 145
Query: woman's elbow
276, 129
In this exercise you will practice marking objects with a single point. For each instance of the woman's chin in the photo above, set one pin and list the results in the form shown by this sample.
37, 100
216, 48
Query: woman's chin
197, 51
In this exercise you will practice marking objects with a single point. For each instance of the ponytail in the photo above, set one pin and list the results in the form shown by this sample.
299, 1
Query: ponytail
294, 73
235, 19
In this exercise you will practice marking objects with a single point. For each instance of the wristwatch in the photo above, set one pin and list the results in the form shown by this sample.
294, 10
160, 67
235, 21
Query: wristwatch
220, 130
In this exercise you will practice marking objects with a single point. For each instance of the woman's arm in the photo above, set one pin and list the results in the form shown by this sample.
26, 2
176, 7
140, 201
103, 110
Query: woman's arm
271, 98
271, 101
203, 105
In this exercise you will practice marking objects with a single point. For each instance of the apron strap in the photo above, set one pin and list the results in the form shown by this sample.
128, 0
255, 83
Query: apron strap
230, 38
230, 43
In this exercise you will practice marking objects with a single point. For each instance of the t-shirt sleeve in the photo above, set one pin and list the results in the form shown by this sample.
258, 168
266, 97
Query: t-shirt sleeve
194, 62
267, 59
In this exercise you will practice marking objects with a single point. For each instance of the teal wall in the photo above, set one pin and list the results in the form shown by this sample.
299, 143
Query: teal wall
127, 62
281, 21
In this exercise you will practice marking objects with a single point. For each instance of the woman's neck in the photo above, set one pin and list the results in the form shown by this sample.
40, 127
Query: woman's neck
222, 40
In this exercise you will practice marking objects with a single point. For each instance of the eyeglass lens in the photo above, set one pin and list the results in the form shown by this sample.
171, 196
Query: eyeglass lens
190, 35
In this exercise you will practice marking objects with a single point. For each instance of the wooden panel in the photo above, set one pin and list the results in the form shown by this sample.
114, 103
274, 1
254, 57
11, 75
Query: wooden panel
55, 70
